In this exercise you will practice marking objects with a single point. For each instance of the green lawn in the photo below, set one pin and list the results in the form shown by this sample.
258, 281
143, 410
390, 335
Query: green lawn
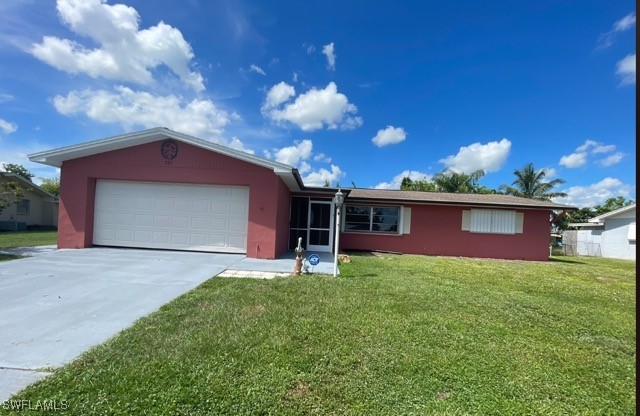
11, 239
393, 335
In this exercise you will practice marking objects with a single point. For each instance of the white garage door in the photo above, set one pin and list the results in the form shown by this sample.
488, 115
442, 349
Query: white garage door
171, 215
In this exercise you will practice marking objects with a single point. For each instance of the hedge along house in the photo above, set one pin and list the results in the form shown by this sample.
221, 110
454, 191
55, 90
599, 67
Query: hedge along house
161, 189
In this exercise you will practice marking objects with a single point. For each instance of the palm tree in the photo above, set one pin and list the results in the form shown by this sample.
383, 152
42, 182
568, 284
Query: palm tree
458, 182
530, 183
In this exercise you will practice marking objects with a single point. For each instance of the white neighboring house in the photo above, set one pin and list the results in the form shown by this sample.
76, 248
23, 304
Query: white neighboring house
610, 235
36, 207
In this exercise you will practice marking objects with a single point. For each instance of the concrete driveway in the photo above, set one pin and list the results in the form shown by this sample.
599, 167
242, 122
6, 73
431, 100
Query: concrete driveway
58, 304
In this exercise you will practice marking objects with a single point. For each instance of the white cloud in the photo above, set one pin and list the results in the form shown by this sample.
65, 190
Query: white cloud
129, 108
5, 98
309, 48
321, 157
579, 157
319, 177
625, 23
595, 194
299, 155
395, 183
7, 127
587, 145
257, 69
549, 173
574, 160
389, 135
611, 159
295, 77
237, 144
329, 52
626, 69
295, 155
312, 110
489, 157
125, 52
278, 94
595, 147
604, 148
606, 39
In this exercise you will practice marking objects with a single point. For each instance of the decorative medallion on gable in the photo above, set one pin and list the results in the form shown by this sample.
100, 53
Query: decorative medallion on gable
169, 150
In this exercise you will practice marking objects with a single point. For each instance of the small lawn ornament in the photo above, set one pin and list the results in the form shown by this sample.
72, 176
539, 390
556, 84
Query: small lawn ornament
297, 269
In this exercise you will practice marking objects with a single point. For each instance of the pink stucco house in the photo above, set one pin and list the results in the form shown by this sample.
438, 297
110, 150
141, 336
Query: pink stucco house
166, 190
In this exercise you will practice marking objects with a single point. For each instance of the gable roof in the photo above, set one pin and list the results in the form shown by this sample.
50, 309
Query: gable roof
31, 186
494, 200
55, 157
614, 213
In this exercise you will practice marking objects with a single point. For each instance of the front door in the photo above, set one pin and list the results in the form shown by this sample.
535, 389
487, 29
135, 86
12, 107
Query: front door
320, 226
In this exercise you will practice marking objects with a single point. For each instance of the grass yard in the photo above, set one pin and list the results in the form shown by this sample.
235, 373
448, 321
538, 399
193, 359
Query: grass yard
13, 239
394, 335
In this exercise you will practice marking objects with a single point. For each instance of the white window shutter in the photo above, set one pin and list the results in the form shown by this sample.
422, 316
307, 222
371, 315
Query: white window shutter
480, 221
519, 222
466, 220
503, 222
406, 220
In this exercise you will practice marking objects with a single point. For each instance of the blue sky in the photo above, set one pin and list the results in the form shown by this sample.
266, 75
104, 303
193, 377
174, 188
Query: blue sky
363, 92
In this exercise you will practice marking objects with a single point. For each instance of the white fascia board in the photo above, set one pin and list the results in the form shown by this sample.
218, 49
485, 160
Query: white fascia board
586, 224
614, 213
55, 157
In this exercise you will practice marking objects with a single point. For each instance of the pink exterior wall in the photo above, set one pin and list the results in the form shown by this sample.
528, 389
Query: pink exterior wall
192, 165
437, 230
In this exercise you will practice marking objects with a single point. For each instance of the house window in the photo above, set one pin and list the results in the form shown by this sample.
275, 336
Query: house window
491, 221
23, 207
372, 219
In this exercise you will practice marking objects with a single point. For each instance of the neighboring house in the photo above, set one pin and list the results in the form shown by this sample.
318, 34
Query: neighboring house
609, 235
162, 189
37, 207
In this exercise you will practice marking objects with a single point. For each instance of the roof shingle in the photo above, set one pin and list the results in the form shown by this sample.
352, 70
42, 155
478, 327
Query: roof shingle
452, 198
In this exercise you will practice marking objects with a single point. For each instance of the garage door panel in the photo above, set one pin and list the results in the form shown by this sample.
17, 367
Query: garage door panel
181, 206
198, 240
172, 216
237, 241
238, 209
163, 205
180, 222
143, 220
199, 223
141, 236
123, 235
219, 193
144, 204
161, 237
201, 207
219, 208
237, 225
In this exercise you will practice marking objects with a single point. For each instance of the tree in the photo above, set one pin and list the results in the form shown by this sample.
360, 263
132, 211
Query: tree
408, 184
530, 183
10, 193
327, 184
51, 185
457, 182
612, 204
18, 170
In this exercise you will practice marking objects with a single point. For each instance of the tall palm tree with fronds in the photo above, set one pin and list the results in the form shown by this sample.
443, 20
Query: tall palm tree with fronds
458, 182
530, 183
